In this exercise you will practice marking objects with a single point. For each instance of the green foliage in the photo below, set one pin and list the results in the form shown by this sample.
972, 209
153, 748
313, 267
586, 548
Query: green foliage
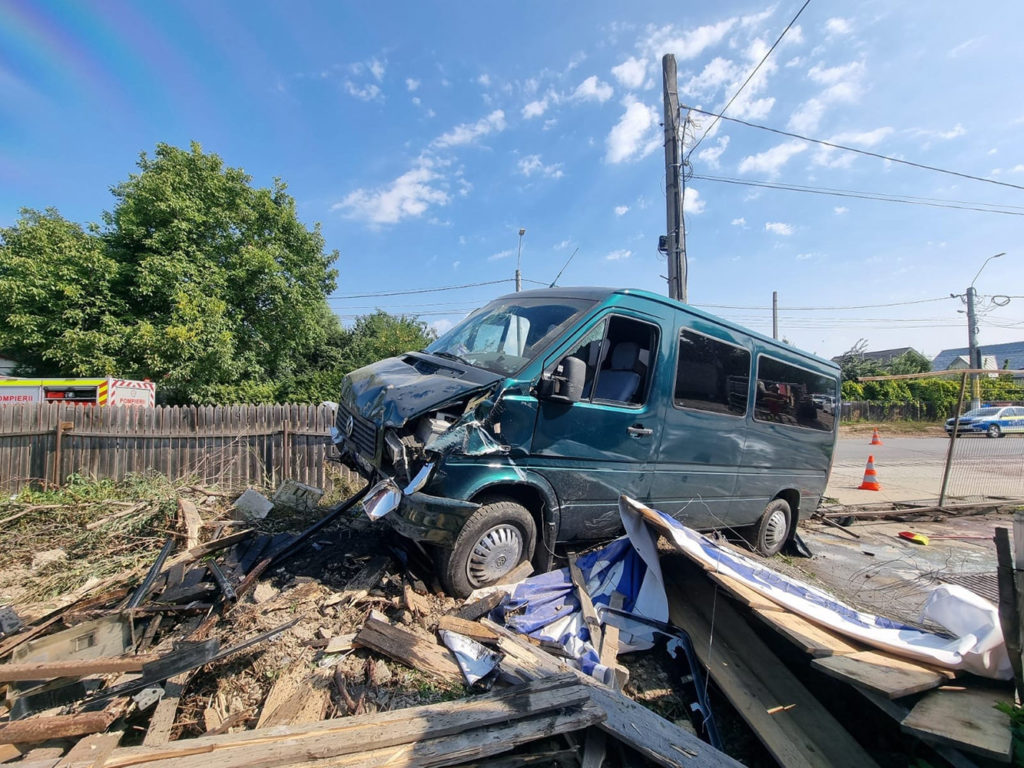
910, 361
943, 393
1016, 715
381, 335
886, 391
852, 390
58, 310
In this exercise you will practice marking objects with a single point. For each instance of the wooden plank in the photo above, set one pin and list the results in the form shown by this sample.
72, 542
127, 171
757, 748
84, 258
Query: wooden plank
800, 734
9, 752
409, 649
967, 720
878, 672
48, 670
36, 729
656, 738
297, 696
192, 521
743, 593
93, 750
477, 608
590, 617
285, 745
162, 721
811, 638
473, 629
360, 585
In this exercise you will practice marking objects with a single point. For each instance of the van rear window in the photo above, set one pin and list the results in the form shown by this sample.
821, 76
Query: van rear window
787, 394
711, 375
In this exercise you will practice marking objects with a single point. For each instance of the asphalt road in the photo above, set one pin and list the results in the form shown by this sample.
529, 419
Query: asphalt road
910, 468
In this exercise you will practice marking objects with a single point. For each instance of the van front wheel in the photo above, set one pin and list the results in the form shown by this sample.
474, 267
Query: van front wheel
769, 534
495, 539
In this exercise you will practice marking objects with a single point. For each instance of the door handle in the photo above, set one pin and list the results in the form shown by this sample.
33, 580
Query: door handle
638, 430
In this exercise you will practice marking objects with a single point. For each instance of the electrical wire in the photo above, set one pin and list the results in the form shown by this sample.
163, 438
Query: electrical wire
745, 82
865, 152
418, 290
821, 309
880, 196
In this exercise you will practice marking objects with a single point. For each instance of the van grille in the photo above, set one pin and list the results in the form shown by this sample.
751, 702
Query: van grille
364, 433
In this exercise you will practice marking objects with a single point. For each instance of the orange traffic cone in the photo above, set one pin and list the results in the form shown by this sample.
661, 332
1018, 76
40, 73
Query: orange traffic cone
870, 482
876, 438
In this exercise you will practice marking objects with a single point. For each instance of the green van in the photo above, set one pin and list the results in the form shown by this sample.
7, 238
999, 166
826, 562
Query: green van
519, 428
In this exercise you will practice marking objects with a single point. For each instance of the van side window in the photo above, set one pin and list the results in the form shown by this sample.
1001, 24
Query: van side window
711, 375
787, 394
619, 354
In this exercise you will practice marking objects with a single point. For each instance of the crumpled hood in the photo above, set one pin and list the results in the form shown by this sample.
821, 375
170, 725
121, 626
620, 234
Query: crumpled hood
392, 391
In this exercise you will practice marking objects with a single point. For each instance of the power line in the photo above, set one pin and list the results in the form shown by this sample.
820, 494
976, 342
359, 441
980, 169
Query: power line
417, 290
880, 196
749, 78
858, 151
819, 309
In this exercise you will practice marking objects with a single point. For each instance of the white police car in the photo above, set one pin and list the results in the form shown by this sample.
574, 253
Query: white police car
992, 421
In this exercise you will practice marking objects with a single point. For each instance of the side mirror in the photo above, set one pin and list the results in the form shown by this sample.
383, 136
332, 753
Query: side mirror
566, 383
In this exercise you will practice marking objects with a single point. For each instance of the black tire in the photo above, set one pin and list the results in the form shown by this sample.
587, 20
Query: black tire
495, 539
994, 431
769, 534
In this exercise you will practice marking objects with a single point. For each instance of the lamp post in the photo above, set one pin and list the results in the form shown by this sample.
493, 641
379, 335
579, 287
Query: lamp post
519, 254
974, 352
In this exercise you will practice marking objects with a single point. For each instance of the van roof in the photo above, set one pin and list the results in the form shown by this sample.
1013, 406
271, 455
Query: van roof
595, 293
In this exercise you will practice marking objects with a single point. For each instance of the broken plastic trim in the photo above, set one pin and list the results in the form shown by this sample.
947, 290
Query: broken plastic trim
385, 496
477, 662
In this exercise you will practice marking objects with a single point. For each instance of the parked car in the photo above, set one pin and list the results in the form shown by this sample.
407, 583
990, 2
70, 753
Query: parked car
992, 421
519, 429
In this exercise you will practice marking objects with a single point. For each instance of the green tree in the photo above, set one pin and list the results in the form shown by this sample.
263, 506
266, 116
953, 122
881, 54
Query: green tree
225, 286
853, 364
380, 335
59, 312
910, 361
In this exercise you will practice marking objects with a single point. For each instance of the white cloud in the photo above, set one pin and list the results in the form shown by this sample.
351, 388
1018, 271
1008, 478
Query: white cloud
412, 84
1017, 169
755, 19
507, 254
416, 100
692, 202
688, 44
535, 108
631, 72
532, 164
842, 84
593, 89
716, 73
441, 327
563, 245
484, 80
838, 26
455, 264
408, 196
619, 255
839, 210
771, 161
466, 133
837, 74
368, 92
804, 256
807, 116
739, 222
963, 47
635, 135
621, 210
833, 158
953, 133
376, 69
778, 228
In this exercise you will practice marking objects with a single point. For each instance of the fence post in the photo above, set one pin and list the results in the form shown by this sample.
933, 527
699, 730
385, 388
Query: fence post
285, 452
952, 440
62, 427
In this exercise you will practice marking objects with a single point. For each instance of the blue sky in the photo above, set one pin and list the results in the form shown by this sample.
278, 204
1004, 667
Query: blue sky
423, 136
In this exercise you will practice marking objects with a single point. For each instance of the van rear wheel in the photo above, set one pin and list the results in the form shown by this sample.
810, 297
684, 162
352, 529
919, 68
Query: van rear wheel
769, 534
495, 539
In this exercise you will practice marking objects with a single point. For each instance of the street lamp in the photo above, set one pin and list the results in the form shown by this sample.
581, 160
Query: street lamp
974, 352
519, 254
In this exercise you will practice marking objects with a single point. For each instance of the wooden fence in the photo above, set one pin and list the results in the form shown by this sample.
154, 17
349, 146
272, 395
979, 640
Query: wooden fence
230, 446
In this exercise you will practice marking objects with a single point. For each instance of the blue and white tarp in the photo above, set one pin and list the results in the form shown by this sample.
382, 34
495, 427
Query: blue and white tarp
545, 606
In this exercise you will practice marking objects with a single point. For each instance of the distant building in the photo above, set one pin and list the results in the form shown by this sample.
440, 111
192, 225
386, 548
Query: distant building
882, 356
7, 366
1009, 355
963, 362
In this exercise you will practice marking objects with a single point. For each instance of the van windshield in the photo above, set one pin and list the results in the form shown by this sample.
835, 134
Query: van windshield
508, 333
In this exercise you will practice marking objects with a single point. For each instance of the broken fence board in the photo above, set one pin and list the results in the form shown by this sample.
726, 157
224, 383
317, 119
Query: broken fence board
590, 617
813, 639
48, 670
474, 610
471, 629
967, 720
192, 521
287, 745
162, 721
743, 593
408, 648
656, 738
887, 675
93, 749
297, 696
36, 729
754, 679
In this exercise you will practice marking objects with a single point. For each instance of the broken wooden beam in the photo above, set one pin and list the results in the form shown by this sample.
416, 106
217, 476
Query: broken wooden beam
35, 729
483, 606
471, 629
407, 648
590, 617
48, 670
890, 676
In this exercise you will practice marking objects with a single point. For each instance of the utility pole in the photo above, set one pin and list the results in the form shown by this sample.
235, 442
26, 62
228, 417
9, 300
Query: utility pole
775, 314
675, 240
973, 350
519, 255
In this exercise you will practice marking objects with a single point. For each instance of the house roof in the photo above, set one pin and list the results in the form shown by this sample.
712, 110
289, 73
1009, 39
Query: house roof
1012, 351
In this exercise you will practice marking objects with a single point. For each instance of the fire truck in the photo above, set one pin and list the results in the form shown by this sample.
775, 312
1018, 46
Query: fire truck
105, 391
